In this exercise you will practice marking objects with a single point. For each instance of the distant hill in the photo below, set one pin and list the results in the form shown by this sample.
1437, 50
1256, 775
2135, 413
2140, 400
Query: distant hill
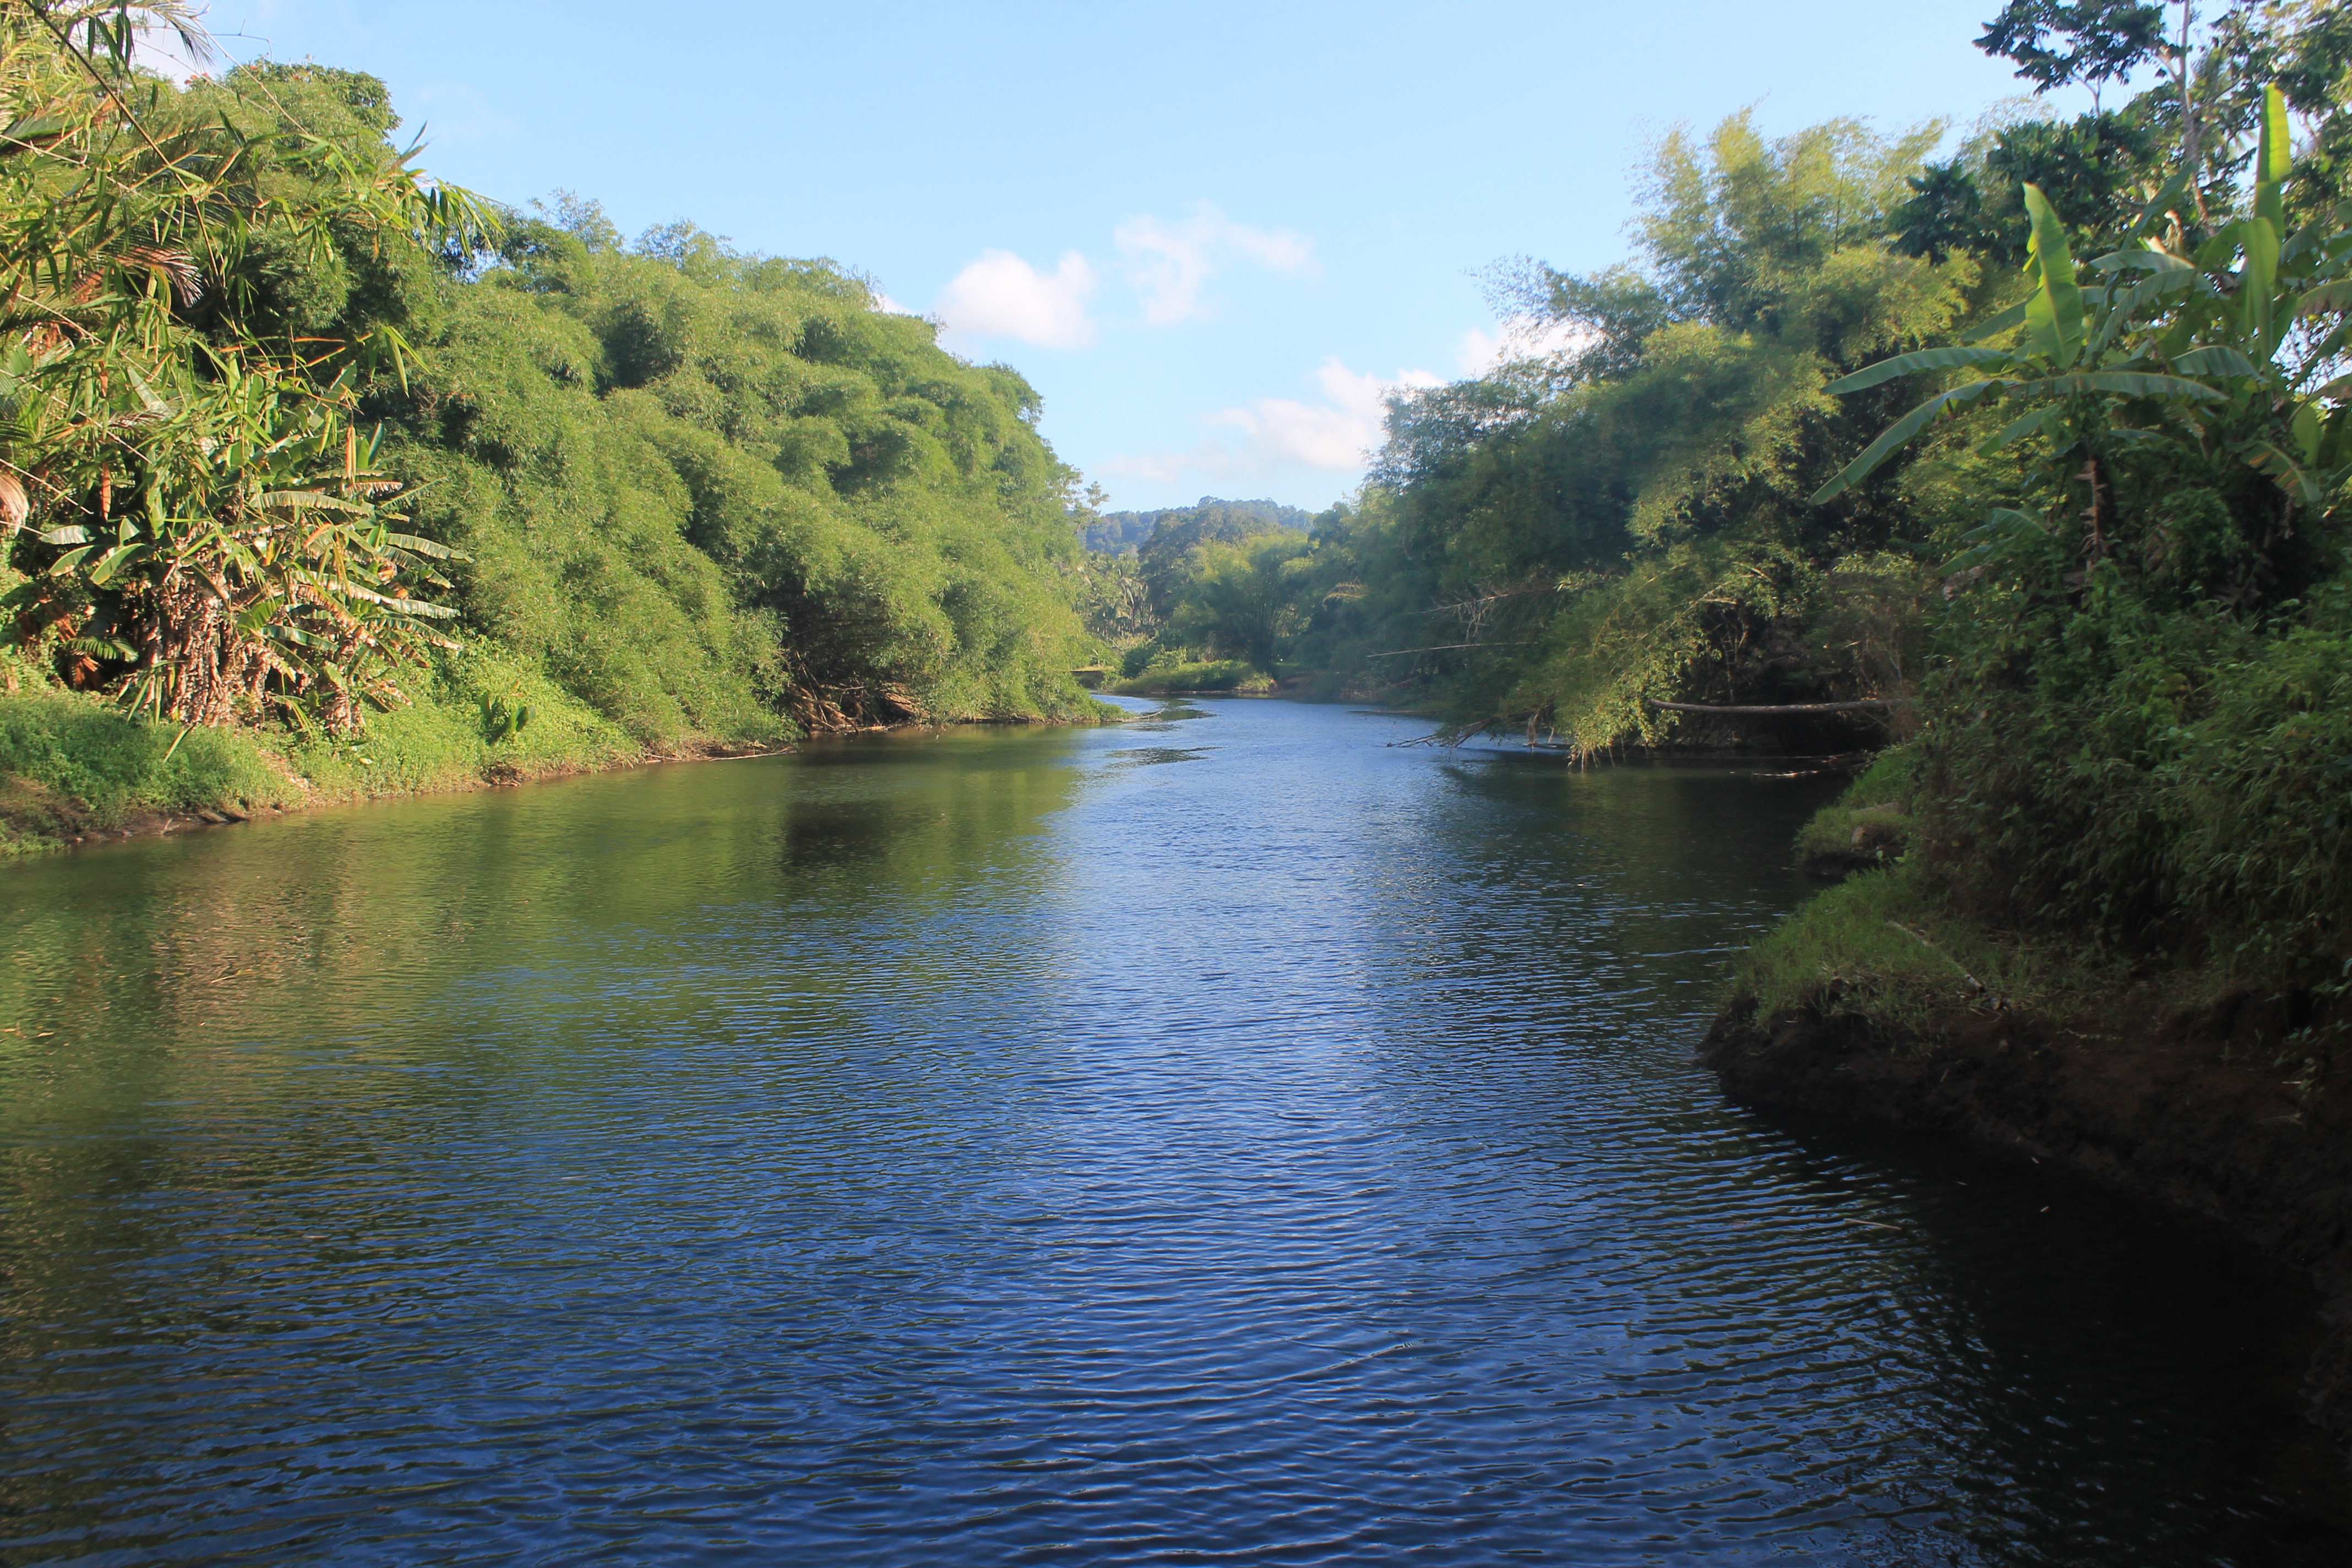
1125, 532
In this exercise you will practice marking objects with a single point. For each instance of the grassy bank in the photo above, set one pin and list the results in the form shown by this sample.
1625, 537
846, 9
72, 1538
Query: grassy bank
73, 766
2207, 1079
1890, 944
1880, 946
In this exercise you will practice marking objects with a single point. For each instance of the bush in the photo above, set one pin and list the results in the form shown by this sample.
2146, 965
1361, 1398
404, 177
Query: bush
1218, 675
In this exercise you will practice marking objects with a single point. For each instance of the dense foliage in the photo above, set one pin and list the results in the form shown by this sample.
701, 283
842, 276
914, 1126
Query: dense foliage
700, 486
1546, 547
188, 501
2139, 730
290, 429
1859, 425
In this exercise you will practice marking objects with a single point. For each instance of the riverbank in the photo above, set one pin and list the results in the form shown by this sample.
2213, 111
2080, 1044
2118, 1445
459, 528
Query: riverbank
74, 769
1870, 1005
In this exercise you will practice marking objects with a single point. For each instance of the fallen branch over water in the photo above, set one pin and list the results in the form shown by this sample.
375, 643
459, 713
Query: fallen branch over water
1760, 709
1446, 646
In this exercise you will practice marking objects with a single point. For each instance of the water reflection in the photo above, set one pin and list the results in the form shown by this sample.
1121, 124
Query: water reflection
998, 1145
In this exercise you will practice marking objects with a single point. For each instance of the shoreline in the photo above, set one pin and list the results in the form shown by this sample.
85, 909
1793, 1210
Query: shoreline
2211, 1112
38, 820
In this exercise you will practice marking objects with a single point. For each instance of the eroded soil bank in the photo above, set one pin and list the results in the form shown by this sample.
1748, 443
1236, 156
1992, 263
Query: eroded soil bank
2221, 1112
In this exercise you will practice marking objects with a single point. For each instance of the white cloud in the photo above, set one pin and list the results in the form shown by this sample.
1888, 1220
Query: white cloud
1170, 264
1519, 338
1001, 296
1335, 434
887, 306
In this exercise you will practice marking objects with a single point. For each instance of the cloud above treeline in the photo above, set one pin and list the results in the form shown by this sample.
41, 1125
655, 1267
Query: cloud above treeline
1168, 268
1159, 273
1334, 434
1171, 264
1001, 296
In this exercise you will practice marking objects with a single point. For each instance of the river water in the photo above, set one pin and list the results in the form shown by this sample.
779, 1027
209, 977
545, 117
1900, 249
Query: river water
1230, 1139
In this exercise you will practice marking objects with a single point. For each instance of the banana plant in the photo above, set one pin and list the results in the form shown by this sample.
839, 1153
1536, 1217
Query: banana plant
2222, 350
199, 507
259, 560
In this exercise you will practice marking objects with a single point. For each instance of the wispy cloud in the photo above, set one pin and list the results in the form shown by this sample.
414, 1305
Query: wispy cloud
1170, 264
1334, 434
1001, 296
1519, 338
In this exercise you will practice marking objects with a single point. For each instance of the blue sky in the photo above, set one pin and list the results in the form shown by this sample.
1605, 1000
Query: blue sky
1209, 233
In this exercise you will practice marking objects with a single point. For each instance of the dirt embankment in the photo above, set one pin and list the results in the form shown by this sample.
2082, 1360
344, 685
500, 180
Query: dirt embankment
2222, 1111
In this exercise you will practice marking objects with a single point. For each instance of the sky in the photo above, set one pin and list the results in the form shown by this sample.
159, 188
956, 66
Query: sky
1212, 235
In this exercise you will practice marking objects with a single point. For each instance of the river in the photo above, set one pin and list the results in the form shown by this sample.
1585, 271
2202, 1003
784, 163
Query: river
1234, 1138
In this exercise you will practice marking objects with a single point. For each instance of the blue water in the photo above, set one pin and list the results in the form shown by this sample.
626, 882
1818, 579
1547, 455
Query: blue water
1230, 1139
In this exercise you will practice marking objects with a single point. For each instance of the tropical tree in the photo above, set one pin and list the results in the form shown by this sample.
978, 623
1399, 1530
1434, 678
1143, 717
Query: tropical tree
2138, 731
1245, 601
2219, 358
1561, 543
183, 490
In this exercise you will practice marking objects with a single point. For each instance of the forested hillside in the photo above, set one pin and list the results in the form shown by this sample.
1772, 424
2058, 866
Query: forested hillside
299, 439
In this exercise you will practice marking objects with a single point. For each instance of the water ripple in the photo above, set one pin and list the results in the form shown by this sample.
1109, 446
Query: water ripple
1004, 1148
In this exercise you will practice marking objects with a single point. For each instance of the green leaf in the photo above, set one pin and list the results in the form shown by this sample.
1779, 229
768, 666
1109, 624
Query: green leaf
2145, 259
2120, 314
2335, 296
2303, 239
423, 546
2019, 429
1896, 434
2258, 282
2215, 253
2215, 359
2291, 476
1911, 363
2002, 530
306, 500
2166, 198
2307, 432
2001, 323
72, 533
2122, 383
419, 609
2054, 315
2275, 156
111, 562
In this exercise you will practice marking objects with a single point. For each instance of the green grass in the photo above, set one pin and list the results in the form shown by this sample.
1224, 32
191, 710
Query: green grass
1869, 822
1879, 945
442, 740
73, 764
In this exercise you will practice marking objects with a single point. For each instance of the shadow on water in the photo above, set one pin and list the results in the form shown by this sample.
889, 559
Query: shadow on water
997, 1145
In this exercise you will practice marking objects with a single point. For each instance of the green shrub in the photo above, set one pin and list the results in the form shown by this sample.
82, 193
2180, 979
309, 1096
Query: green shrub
1216, 675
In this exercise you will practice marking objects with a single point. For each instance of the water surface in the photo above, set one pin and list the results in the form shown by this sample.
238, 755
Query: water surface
1233, 1139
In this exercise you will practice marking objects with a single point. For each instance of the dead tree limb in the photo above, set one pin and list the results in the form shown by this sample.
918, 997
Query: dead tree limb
1761, 710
